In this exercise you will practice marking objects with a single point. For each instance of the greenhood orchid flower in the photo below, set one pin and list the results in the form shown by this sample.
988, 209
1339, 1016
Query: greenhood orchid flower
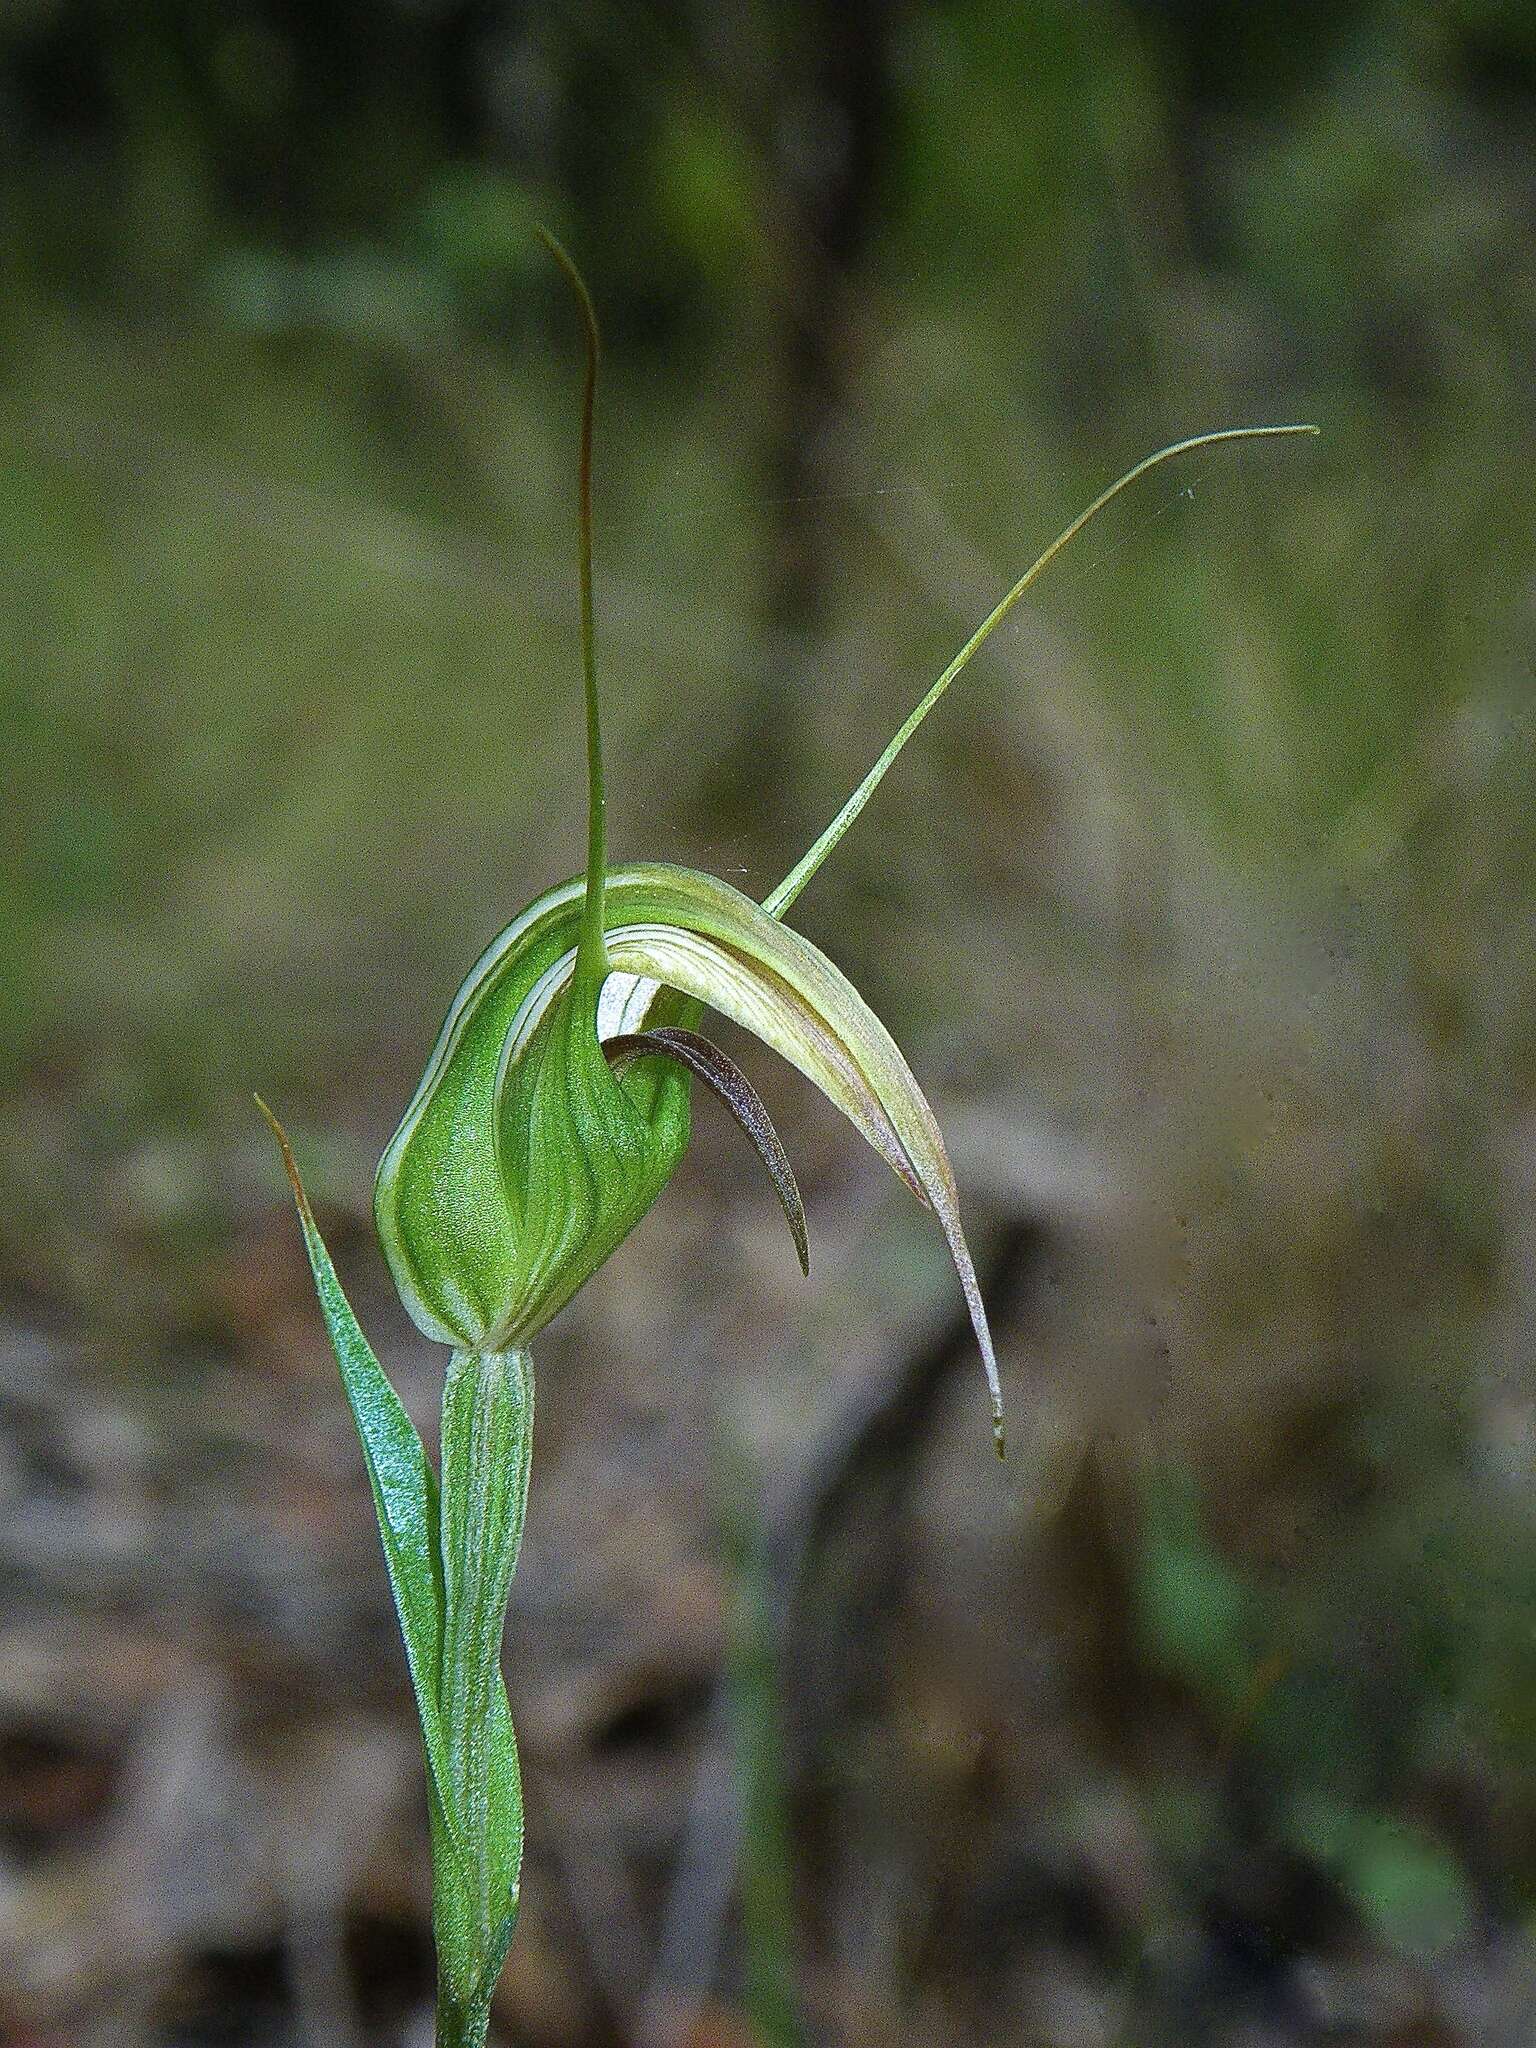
531, 1150
553, 1110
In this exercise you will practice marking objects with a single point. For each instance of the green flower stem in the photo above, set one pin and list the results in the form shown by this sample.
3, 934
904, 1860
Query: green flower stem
487, 1441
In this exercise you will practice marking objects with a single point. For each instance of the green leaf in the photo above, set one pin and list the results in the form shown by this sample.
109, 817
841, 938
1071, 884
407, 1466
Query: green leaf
404, 1497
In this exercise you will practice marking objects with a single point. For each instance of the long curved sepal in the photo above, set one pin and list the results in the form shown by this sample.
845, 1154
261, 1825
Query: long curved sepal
780, 899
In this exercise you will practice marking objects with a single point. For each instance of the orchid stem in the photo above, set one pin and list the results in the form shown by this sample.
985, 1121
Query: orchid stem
487, 1443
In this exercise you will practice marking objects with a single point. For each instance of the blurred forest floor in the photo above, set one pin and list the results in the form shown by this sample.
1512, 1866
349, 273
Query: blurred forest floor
1203, 911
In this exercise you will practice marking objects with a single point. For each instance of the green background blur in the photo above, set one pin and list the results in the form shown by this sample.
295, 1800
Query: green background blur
1203, 910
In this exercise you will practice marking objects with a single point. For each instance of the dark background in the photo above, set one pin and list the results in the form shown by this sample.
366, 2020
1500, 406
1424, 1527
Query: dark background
1203, 910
